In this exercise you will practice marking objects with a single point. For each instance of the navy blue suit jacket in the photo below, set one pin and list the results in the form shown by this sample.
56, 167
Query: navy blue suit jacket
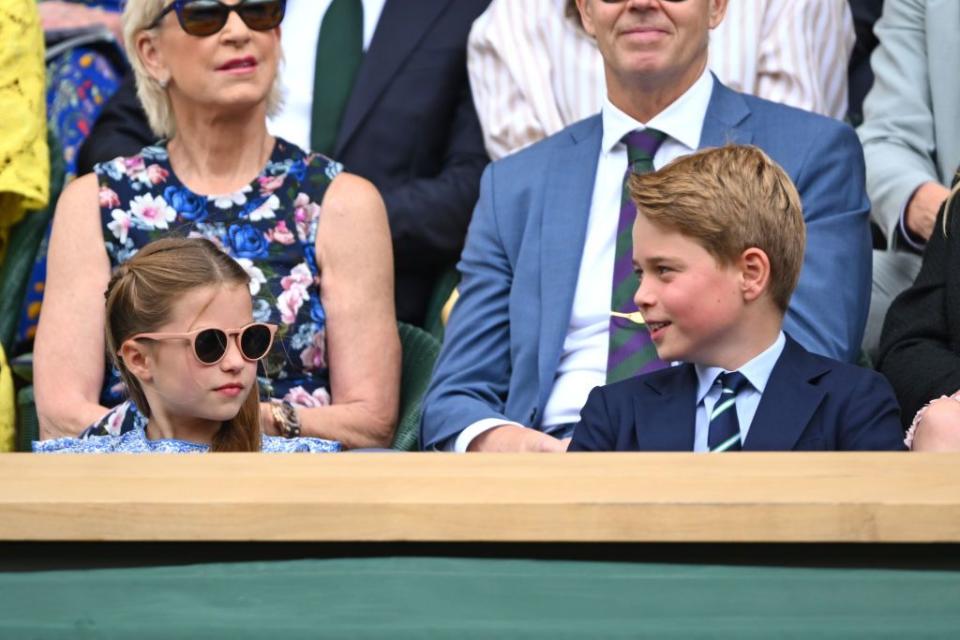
810, 403
522, 257
410, 127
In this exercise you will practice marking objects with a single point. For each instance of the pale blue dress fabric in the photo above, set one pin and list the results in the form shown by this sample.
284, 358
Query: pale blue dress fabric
136, 441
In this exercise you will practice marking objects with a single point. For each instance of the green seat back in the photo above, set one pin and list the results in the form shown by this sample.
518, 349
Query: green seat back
442, 288
420, 351
28, 426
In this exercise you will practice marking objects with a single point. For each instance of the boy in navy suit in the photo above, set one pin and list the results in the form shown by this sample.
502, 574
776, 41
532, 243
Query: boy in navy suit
718, 244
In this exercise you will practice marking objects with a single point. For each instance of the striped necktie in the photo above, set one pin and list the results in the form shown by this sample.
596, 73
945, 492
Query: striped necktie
631, 351
724, 432
339, 53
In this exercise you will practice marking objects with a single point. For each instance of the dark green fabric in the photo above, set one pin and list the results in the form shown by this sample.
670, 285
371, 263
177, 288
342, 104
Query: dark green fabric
28, 427
25, 238
339, 52
420, 351
22, 367
471, 598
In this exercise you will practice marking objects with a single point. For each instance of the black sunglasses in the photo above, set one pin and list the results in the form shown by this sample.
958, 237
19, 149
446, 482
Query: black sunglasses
206, 17
210, 345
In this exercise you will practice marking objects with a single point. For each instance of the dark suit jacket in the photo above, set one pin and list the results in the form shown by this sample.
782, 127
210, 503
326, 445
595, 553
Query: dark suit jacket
920, 343
859, 73
810, 403
409, 127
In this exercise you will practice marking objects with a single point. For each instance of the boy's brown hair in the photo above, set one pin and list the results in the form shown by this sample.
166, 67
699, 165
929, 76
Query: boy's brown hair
729, 199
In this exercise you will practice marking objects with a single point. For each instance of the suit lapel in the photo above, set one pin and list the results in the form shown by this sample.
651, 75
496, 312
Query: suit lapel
725, 119
563, 227
788, 401
401, 27
666, 410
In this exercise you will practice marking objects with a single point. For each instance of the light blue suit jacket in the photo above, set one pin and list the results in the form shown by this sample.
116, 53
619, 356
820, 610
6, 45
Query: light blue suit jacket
523, 250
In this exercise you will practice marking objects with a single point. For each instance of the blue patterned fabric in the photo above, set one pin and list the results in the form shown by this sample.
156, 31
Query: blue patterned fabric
135, 439
269, 227
109, 5
79, 83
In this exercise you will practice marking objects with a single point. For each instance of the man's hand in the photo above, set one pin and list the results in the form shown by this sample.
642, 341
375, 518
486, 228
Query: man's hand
514, 438
923, 207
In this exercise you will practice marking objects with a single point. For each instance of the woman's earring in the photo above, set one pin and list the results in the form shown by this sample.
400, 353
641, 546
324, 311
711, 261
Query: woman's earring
163, 82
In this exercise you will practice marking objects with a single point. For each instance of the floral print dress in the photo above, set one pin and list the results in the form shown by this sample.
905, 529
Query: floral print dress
269, 227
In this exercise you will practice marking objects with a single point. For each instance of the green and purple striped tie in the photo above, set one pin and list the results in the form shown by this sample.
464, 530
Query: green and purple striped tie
631, 350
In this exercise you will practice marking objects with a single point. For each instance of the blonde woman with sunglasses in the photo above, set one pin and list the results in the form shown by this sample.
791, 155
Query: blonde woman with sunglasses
313, 240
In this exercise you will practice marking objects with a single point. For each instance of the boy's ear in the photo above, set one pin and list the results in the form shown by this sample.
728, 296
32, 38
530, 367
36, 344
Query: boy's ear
136, 359
755, 273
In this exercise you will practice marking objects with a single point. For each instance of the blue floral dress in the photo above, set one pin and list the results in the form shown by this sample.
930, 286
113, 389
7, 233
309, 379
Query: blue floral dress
135, 441
269, 227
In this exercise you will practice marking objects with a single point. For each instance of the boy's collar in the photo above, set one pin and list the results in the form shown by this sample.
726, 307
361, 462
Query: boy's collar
757, 371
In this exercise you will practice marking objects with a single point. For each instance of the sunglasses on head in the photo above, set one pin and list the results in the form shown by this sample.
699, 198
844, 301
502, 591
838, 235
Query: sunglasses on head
206, 17
210, 345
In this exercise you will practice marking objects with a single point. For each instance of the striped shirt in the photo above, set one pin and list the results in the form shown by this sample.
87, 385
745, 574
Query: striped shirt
533, 71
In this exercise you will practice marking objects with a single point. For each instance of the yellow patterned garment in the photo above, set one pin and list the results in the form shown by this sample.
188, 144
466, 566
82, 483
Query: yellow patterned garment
24, 160
7, 408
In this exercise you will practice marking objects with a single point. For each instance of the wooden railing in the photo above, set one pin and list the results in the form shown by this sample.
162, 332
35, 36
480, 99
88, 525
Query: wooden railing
741, 497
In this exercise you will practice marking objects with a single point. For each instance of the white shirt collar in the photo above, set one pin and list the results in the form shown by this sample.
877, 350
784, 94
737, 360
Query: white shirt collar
757, 371
682, 120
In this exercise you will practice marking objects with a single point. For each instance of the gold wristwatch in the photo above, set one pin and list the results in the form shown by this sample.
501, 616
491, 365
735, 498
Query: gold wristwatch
285, 418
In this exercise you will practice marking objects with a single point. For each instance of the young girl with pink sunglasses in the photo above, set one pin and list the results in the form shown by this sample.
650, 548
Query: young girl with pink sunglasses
180, 329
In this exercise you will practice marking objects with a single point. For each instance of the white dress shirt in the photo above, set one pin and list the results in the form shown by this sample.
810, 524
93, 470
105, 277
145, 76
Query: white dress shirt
583, 359
533, 71
757, 371
299, 33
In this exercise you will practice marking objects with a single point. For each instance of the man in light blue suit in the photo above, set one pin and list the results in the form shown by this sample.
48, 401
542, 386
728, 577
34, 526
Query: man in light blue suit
528, 338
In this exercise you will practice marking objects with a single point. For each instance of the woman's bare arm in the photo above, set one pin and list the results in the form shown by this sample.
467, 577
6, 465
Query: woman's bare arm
69, 351
355, 258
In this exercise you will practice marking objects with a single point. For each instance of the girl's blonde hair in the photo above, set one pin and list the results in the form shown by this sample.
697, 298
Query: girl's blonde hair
137, 16
139, 298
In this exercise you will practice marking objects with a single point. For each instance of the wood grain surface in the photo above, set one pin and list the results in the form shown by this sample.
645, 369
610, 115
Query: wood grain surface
615, 497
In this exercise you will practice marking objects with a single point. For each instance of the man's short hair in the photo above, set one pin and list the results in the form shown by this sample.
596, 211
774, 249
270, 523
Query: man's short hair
730, 199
